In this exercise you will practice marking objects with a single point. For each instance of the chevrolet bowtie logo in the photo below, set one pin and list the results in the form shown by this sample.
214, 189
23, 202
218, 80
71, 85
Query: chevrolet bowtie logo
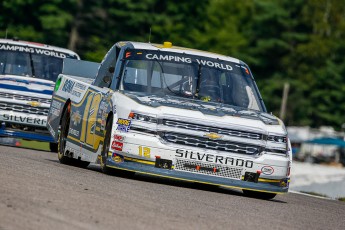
34, 103
212, 136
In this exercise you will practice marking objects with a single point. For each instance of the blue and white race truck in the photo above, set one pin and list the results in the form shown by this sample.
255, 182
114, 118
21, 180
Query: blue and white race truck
28, 72
171, 112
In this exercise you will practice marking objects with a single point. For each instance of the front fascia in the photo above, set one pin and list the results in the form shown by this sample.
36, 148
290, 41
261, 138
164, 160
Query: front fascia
232, 147
24, 106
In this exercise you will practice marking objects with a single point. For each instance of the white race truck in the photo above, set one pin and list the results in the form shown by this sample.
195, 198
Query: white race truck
28, 72
171, 112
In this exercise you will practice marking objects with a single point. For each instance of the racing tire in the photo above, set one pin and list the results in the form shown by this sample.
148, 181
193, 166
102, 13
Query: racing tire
62, 138
259, 195
62, 144
53, 147
106, 146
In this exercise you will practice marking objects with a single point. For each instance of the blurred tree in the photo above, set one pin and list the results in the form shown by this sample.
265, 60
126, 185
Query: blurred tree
300, 41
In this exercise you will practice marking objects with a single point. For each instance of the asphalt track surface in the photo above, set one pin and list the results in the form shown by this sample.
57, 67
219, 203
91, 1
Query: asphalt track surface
37, 192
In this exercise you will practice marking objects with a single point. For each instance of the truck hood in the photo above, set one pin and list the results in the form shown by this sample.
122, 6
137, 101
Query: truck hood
207, 108
20, 85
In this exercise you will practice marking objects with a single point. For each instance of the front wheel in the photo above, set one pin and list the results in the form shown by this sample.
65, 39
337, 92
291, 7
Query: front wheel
106, 146
63, 138
259, 195
53, 147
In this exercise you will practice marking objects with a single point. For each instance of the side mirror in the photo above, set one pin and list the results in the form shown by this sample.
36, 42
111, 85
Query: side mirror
106, 79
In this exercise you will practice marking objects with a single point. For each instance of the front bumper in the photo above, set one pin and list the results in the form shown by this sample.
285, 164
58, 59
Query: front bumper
25, 135
230, 169
271, 186
26, 126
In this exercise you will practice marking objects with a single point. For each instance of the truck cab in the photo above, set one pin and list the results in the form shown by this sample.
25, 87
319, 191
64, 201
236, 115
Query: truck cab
174, 112
28, 72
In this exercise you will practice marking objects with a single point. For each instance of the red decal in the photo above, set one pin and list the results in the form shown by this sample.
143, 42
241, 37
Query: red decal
117, 145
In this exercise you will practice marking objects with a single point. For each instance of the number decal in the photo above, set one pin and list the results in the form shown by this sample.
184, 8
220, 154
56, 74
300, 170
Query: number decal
144, 151
89, 119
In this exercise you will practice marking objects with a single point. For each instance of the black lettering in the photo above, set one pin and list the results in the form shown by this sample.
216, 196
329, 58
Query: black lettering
230, 160
6, 117
199, 155
191, 156
186, 154
220, 158
16, 118
179, 152
29, 120
37, 121
22, 119
239, 162
249, 164
209, 157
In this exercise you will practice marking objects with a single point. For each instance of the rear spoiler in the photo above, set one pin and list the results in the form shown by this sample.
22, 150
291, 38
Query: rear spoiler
80, 68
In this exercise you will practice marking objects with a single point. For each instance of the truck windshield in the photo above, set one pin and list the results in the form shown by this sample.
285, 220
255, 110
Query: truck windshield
30, 65
189, 76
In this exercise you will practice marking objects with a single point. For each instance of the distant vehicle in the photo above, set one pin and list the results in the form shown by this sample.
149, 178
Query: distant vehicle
28, 72
171, 112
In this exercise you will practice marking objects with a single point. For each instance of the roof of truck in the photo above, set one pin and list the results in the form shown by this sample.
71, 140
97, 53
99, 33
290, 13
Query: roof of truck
38, 45
177, 49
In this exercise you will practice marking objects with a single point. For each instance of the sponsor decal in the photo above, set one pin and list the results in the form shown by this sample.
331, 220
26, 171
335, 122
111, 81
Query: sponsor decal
55, 108
119, 137
224, 160
168, 57
73, 132
56, 104
76, 93
116, 145
68, 86
123, 124
80, 86
267, 170
26, 120
76, 117
117, 159
32, 50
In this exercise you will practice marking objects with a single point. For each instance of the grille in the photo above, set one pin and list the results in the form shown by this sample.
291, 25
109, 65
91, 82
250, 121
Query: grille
24, 109
24, 98
204, 128
222, 171
220, 145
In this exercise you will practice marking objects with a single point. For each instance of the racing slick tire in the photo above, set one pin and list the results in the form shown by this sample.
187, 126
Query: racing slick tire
105, 148
62, 144
259, 195
53, 147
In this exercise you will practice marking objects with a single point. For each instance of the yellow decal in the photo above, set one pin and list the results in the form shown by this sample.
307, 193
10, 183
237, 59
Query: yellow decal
89, 121
34, 103
144, 151
212, 136
125, 122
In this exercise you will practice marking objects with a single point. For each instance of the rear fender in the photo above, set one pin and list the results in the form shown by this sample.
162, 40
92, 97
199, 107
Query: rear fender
56, 110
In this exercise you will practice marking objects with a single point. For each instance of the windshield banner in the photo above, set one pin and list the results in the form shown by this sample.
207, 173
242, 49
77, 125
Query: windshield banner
182, 58
33, 50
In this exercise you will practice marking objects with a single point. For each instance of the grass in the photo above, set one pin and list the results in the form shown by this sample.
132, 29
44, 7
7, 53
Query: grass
314, 194
34, 145
322, 195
